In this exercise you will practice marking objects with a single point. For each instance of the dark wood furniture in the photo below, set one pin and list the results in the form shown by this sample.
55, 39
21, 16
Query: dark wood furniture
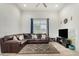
63, 41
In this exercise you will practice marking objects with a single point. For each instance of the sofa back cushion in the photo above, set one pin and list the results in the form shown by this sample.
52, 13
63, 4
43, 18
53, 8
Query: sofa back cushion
27, 36
39, 36
9, 37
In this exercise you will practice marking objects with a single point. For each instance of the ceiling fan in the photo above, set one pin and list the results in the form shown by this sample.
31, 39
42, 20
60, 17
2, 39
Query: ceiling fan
44, 4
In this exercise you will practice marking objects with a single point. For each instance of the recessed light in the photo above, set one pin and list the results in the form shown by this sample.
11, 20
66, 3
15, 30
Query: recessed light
56, 5
25, 5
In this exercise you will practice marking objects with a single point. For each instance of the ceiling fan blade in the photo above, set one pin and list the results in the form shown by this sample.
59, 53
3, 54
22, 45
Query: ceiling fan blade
37, 4
45, 5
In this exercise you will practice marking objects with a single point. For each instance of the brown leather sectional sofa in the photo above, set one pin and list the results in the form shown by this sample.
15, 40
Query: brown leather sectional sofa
8, 45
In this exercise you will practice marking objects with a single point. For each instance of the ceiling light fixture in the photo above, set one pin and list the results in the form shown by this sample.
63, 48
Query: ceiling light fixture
25, 5
56, 5
44, 4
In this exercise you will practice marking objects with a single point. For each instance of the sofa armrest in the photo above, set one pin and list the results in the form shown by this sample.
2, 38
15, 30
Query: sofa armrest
47, 38
10, 47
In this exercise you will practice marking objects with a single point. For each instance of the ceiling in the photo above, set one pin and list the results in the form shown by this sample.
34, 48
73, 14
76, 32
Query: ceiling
41, 7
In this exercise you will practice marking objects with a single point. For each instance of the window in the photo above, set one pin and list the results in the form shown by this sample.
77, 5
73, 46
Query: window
39, 25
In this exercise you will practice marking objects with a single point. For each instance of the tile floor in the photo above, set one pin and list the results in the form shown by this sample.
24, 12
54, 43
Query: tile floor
63, 52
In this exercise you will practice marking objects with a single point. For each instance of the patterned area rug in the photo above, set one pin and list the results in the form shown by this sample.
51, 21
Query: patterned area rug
39, 49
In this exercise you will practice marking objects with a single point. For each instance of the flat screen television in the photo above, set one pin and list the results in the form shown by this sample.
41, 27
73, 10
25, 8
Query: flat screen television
63, 33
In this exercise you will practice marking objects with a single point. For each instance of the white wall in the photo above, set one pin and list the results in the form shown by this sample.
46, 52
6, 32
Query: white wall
53, 21
9, 19
67, 12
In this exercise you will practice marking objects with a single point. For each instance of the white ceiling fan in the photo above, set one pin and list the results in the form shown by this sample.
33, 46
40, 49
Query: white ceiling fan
44, 4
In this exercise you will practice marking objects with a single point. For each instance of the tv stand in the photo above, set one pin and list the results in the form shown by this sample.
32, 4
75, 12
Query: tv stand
63, 41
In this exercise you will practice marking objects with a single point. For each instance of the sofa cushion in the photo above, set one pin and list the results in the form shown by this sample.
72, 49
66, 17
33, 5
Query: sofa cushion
8, 38
43, 39
39, 36
23, 41
27, 36
37, 39
12, 41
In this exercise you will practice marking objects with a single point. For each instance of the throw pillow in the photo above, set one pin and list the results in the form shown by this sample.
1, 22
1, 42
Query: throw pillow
21, 37
15, 38
43, 36
34, 37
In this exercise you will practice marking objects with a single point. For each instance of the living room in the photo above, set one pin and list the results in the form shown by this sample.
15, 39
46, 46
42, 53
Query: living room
15, 18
